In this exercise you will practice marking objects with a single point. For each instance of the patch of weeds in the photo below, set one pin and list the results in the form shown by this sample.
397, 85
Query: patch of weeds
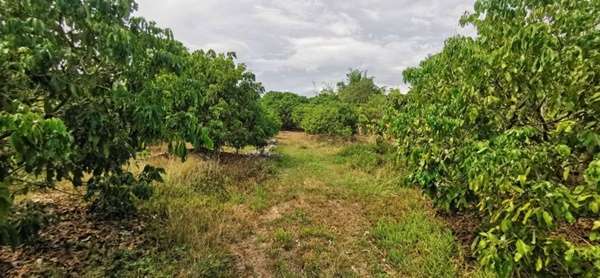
283, 270
136, 263
216, 264
416, 244
283, 239
317, 232
260, 199
313, 265
24, 223
298, 216
312, 270
249, 170
211, 181
237, 198
366, 157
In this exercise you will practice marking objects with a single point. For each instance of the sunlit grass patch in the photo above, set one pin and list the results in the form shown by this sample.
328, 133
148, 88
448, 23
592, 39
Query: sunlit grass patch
259, 200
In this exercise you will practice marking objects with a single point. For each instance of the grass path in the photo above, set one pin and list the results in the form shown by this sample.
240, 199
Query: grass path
321, 217
314, 215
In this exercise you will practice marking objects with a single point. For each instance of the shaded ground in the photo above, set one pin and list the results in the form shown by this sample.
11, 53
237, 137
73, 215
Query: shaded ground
72, 241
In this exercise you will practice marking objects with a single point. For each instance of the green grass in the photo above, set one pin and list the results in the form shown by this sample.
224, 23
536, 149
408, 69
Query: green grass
284, 239
417, 245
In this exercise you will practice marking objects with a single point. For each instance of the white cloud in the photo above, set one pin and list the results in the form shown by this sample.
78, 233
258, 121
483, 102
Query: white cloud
299, 45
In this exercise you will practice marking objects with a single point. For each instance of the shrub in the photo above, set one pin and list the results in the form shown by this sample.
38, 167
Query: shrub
114, 195
332, 118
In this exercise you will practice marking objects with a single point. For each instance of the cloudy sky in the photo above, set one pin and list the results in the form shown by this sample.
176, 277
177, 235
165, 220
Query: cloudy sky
303, 45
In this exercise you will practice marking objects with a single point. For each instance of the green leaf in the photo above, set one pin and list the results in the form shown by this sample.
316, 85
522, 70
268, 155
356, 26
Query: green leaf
594, 236
505, 225
596, 225
522, 250
563, 150
547, 218
569, 255
566, 173
538, 264
522, 179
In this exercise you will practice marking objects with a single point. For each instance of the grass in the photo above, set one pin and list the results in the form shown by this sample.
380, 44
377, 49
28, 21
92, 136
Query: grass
416, 245
322, 209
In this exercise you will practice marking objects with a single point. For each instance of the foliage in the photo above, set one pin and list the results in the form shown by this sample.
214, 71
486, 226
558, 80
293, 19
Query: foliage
358, 98
115, 195
358, 87
283, 104
507, 124
330, 118
23, 224
371, 113
85, 86
215, 103
224, 96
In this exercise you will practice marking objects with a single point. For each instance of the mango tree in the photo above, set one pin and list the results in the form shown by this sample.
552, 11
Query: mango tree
507, 124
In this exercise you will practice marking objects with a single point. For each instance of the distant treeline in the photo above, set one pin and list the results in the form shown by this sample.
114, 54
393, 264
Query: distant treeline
355, 105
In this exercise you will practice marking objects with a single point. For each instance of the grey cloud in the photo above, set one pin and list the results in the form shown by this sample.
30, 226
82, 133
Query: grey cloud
301, 46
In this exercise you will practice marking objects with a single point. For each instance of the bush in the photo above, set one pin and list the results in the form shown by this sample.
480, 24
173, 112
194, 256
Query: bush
114, 195
331, 118
370, 114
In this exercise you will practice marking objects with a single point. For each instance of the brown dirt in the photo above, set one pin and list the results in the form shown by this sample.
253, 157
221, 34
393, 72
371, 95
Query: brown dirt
342, 218
251, 258
577, 232
463, 226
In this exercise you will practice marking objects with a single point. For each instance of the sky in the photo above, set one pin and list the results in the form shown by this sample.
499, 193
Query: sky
304, 45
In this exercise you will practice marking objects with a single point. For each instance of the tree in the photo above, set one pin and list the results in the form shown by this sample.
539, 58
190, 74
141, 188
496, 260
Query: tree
283, 104
85, 86
76, 96
506, 124
358, 87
